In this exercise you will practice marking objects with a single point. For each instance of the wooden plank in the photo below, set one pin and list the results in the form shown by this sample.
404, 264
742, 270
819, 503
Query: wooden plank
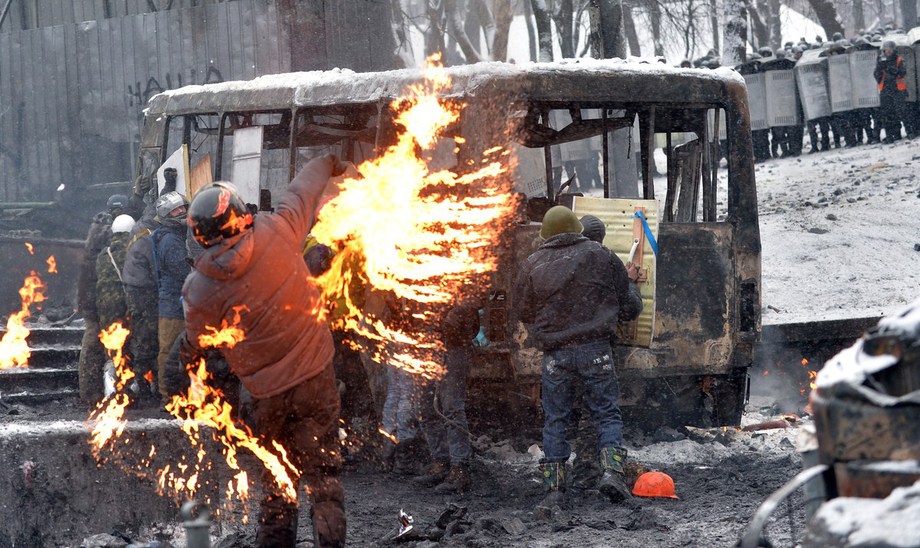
60, 100
149, 38
7, 108
235, 36
281, 41
68, 13
262, 37
72, 100
186, 41
199, 48
119, 84
18, 113
222, 36
52, 106
247, 39
132, 29
31, 58
163, 36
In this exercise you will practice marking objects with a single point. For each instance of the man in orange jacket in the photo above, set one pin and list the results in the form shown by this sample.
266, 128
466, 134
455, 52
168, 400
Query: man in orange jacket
890, 72
285, 360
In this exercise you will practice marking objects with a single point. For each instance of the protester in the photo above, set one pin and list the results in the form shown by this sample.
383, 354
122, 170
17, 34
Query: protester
569, 294
285, 359
92, 353
443, 403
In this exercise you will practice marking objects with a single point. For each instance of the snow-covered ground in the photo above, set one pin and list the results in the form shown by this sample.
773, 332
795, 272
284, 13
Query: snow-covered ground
839, 231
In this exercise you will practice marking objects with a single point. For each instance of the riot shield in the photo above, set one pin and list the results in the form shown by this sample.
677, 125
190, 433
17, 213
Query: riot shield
839, 83
757, 96
781, 98
865, 88
811, 77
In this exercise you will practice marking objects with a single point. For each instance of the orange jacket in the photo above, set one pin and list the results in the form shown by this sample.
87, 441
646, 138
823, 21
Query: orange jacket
285, 342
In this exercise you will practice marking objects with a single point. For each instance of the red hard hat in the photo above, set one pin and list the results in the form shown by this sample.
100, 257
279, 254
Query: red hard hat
654, 484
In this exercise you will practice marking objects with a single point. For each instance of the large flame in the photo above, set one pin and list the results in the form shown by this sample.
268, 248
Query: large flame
417, 233
204, 406
107, 419
14, 350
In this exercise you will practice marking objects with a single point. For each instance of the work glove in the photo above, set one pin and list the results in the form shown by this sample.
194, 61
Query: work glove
141, 185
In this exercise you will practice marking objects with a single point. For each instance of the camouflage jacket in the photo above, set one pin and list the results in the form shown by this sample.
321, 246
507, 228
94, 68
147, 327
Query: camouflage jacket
110, 292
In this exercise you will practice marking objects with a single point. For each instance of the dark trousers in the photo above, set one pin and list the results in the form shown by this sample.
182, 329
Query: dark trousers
304, 420
143, 340
591, 365
92, 362
448, 435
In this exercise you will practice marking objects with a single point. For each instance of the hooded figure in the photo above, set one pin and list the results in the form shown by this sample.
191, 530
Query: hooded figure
253, 266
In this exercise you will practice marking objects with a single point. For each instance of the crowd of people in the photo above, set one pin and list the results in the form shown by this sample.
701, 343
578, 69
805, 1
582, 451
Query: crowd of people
882, 124
139, 270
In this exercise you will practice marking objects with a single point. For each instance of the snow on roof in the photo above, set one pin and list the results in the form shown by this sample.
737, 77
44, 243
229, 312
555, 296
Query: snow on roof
343, 85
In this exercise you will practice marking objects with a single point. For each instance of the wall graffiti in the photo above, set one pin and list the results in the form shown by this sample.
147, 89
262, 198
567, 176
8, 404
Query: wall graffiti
139, 95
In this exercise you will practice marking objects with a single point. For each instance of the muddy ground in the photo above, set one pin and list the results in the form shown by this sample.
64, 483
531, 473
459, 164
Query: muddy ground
722, 475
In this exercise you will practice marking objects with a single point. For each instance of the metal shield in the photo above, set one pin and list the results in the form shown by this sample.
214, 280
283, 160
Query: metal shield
839, 83
757, 95
781, 98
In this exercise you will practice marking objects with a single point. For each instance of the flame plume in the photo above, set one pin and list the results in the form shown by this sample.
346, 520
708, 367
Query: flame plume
52, 265
107, 420
415, 232
14, 350
30, 248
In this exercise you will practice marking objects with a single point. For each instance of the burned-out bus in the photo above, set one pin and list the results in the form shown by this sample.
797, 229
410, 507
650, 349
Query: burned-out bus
662, 155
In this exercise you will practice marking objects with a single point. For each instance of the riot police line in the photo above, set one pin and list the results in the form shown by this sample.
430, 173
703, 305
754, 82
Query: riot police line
831, 90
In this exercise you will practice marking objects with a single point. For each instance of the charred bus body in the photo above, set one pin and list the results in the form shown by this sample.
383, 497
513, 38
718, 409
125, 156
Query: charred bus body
706, 303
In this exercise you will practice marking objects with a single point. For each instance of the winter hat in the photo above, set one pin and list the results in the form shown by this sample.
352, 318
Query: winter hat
594, 228
122, 223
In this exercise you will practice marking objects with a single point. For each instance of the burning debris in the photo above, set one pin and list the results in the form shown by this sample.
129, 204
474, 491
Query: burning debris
14, 350
420, 234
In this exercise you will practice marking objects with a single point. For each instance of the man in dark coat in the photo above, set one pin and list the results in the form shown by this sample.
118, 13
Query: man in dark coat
569, 294
890, 72
92, 353
110, 291
285, 360
445, 426
142, 305
171, 267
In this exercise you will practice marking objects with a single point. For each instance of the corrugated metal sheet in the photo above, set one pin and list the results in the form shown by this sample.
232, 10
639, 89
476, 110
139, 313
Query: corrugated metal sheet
618, 215
73, 83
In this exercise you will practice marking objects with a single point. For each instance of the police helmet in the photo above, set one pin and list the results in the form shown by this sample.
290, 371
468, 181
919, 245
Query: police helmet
217, 213
116, 202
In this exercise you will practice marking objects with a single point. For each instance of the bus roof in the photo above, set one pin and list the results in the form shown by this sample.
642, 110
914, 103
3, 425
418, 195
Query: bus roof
582, 80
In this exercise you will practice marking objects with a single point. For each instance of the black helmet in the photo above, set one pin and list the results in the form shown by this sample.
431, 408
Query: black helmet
217, 212
594, 228
116, 202
887, 44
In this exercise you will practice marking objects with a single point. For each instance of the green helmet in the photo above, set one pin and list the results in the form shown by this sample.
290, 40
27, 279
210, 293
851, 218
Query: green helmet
560, 220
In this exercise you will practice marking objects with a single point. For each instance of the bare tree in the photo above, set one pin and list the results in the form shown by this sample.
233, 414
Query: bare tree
543, 19
606, 36
735, 35
826, 13
632, 36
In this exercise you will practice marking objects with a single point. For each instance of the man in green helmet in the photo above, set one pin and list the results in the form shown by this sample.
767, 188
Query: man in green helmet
569, 294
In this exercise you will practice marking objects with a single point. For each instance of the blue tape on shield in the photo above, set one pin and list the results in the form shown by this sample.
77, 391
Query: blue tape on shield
648, 233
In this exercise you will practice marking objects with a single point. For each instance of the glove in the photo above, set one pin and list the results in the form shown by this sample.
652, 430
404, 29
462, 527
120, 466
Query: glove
141, 185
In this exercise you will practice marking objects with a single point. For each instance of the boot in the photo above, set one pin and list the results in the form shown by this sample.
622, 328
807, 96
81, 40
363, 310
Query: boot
436, 473
407, 457
457, 481
613, 482
554, 483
